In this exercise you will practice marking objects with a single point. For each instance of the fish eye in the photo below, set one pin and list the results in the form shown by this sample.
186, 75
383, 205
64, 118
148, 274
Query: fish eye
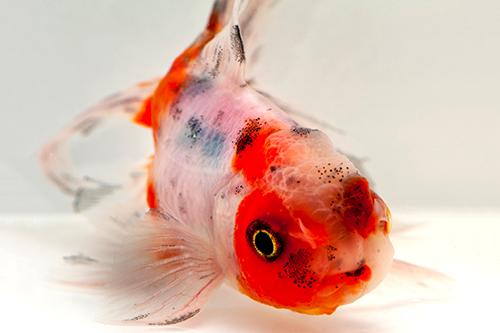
264, 240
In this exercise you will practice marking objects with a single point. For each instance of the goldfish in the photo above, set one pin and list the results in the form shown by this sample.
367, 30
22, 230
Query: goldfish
235, 190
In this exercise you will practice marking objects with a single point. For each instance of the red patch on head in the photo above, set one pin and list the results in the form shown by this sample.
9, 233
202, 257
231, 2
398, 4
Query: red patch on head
287, 281
358, 203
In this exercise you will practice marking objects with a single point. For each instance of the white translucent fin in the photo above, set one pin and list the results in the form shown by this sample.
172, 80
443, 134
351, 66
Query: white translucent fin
155, 271
226, 54
101, 152
409, 284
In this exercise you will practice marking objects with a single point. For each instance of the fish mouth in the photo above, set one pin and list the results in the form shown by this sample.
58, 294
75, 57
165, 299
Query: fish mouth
339, 289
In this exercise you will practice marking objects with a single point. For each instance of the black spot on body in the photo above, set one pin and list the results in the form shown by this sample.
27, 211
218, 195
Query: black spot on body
238, 189
248, 134
237, 44
194, 130
176, 113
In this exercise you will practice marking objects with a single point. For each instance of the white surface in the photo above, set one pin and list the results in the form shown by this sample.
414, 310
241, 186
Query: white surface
461, 245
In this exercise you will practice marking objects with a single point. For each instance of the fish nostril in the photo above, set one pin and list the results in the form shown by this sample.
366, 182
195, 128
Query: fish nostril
358, 204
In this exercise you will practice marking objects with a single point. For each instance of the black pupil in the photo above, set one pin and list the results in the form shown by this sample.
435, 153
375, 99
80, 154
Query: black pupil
264, 243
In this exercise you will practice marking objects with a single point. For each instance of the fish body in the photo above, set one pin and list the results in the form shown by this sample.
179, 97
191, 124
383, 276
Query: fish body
237, 190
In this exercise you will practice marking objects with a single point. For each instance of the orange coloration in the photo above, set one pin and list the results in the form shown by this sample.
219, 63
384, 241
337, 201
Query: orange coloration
151, 195
143, 117
358, 201
387, 228
150, 189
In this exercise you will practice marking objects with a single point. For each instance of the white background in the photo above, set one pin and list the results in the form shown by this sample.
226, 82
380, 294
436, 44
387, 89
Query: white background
414, 84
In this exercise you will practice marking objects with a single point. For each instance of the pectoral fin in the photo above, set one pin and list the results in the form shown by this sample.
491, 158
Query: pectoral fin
155, 271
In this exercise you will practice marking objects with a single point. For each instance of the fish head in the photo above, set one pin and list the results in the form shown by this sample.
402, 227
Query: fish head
310, 235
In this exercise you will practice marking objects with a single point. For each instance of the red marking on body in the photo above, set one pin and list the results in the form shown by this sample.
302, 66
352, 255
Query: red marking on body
252, 157
358, 203
151, 195
253, 161
151, 198
143, 117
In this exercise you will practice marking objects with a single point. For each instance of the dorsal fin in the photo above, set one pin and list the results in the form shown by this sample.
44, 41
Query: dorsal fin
171, 84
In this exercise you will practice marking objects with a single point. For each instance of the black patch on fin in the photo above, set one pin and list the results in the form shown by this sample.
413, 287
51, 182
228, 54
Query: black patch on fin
79, 259
177, 320
87, 197
218, 59
302, 131
237, 44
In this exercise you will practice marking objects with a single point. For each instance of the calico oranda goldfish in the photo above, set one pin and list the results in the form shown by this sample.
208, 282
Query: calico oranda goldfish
235, 190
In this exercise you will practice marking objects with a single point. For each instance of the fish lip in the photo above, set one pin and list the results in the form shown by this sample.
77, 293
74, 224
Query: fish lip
382, 214
342, 288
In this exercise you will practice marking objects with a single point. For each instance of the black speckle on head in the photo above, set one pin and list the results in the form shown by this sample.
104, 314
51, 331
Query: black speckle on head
327, 174
302, 131
194, 130
237, 44
298, 269
248, 134
238, 189
331, 252
272, 168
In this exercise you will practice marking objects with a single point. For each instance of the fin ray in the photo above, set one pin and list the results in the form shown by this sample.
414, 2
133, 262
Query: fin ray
154, 271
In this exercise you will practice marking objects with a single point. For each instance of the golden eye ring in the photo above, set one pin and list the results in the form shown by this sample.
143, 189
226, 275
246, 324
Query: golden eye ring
266, 243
